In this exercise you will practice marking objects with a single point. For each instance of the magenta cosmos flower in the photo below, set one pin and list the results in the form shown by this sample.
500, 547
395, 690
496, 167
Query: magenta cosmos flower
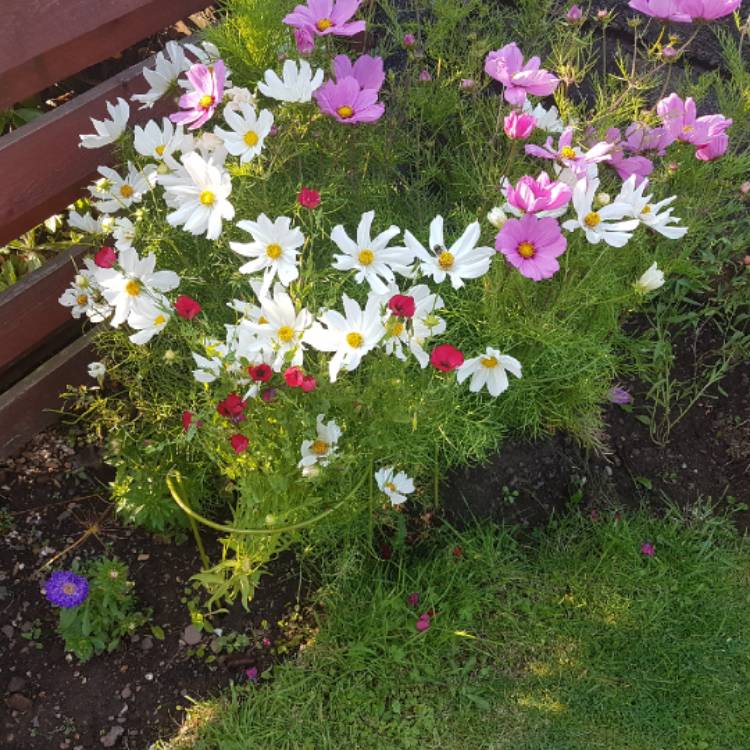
708, 10
200, 104
532, 245
626, 164
567, 156
678, 116
353, 96
506, 65
519, 125
663, 10
323, 17
541, 196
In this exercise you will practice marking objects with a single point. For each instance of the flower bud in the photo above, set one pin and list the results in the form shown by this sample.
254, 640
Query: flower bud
497, 217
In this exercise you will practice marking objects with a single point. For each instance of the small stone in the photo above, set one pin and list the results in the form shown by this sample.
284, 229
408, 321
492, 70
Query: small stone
8, 631
110, 739
149, 676
126, 693
191, 635
143, 556
147, 643
19, 702
16, 684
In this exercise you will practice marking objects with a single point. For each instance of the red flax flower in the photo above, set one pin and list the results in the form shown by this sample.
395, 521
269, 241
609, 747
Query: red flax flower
446, 358
106, 257
233, 408
294, 377
186, 307
260, 373
187, 420
402, 305
308, 198
239, 443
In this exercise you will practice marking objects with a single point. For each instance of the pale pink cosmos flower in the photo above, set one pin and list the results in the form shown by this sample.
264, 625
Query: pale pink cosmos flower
506, 65
709, 137
532, 245
709, 10
200, 104
324, 17
678, 116
425, 75
574, 14
541, 196
367, 70
663, 10
519, 125
567, 156
304, 40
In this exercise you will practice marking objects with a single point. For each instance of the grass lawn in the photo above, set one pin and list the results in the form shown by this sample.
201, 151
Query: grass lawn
572, 640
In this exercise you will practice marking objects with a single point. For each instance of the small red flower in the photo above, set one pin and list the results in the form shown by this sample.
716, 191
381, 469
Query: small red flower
446, 358
308, 198
268, 395
186, 307
232, 407
457, 551
309, 383
106, 257
386, 551
239, 443
294, 377
260, 373
402, 305
413, 599
648, 549
187, 420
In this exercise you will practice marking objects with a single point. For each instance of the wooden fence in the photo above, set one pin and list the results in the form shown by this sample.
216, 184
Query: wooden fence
44, 170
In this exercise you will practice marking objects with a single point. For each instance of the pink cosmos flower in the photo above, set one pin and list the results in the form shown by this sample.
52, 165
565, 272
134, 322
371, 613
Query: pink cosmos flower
466, 84
625, 166
353, 96
200, 104
304, 40
532, 245
663, 10
506, 65
678, 117
715, 148
541, 196
709, 10
324, 17
425, 75
574, 15
367, 70
519, 125
648, 549
567, 156
709, 137
409, 40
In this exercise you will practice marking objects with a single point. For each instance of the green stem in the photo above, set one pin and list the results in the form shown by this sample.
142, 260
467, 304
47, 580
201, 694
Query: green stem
199, 543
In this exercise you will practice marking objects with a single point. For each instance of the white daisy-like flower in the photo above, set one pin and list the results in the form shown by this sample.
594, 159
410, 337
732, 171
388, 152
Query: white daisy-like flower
147, 321
497, 217
84, 297
546, 119
199, 194
323, 448
282, 329
464, 260
135, 286
97, 370
605, 224
207, 369
248, 133
123, 231
162, 78
161, 143
296, 85
371, 258
572, 178
240, 95
114, 192
649, 213
396, 486
85, 222
489, 370
273, 250
108, 131
349, 336
651, 280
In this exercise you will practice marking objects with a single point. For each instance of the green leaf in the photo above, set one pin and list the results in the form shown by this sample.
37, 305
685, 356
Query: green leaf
157, 632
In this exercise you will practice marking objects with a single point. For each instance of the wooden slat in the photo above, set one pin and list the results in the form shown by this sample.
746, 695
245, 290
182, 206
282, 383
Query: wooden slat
29, 310
45, 41
43, 169
25, 408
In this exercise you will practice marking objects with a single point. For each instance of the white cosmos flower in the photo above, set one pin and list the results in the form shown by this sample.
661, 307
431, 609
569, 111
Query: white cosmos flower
199, 193
489, 370
395, 486
85, 222
123, 232
249, 131
84, 297
349, 336
239, 95
372, 259
650, 214
170, 64
135, 286
97, 370
652, 279
464, 260
114, 192
108, 131
273, 250
604, 224
296, 85
546, 119
161, 143
320, 450
147, 321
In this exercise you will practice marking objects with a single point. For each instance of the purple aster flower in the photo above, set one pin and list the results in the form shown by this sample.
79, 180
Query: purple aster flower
200, 104
323, 17
66, 589
507, 66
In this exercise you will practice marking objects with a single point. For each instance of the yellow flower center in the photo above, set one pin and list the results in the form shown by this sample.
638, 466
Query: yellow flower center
206, 101
366, 257
262, 321
250, 138
390, 486
82, 299
159, 320
323, 23
285, 334
567, 153
646, 209
345, 111
687, 128
273, 251
592, 219
126, 191
207, 198
69, 588
446, 260
354, 339
319, 447
526, 250
160, 150
394, 328
133, 287
488, 362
